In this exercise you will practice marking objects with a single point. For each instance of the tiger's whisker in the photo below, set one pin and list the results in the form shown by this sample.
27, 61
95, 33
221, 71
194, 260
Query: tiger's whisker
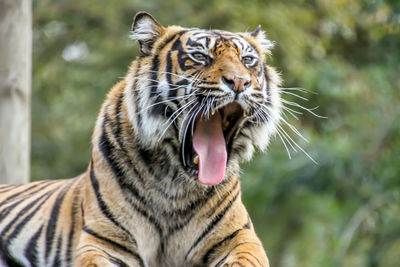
175, 115
304, 108
296, 95
164, 101
184, 134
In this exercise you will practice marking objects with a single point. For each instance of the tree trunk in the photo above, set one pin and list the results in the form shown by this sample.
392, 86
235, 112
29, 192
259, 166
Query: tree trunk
15, 90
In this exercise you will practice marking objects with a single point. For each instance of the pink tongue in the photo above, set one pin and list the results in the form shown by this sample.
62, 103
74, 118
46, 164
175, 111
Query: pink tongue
209, 144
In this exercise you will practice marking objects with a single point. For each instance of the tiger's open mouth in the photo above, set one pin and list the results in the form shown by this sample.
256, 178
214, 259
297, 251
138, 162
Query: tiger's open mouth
206, 150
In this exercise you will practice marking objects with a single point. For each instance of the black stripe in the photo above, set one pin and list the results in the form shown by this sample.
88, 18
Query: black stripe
236, 263
31, 250
146, 156
116, 132
194, 43
244, 135
170, 142
113, 259
4, 213
135, 93
211, 251
154, 78
258, 95
118, 119
22, 212
239, 149
222, 199
103, 206
17, 229
106, 148
11, 261
113, 243
144, 213
53, 222
261, 66
57, 260
267, 80
204, 81
150, 157
189, 212
167, 41
25, 191
247, 259
154, 84
118, 262
238, 245
210, 88
74, 214
177, 46
172, 93
8, 188
213, 223
222, 261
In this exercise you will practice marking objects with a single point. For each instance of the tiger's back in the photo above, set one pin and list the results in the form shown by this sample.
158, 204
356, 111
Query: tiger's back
162, 186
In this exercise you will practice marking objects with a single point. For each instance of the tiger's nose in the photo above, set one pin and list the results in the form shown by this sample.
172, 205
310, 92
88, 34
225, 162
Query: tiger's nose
236, 83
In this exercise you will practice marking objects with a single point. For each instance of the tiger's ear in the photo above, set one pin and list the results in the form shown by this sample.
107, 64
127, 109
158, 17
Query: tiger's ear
146, 30
260, 37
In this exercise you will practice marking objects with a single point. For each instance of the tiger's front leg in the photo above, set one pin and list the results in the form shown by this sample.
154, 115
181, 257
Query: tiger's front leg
97, 249
245, 249
95, 255
233, 242
91, 257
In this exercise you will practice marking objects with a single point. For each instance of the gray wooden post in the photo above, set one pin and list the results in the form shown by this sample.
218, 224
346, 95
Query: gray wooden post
15, 90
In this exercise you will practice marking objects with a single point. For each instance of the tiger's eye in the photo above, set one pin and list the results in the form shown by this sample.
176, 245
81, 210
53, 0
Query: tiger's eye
199, 56
248, 60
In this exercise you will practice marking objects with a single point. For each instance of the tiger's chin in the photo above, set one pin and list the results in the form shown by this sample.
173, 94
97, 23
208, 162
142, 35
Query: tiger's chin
207, 146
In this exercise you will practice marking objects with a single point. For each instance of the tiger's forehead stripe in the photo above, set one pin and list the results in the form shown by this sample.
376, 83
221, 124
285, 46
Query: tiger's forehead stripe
212, 40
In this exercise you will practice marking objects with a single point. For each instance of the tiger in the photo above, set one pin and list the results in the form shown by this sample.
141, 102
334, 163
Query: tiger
162, 185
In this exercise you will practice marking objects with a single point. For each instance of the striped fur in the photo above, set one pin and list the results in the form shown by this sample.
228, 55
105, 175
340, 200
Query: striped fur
139, 203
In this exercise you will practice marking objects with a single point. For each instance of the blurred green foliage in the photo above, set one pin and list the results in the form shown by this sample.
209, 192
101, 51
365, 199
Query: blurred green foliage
343, 211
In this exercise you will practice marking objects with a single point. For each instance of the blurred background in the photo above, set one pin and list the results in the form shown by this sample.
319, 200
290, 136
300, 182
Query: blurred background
342, 211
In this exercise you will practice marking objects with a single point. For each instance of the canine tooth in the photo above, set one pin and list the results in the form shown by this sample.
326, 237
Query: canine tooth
244, 113
196, 160
226, 124
212, 112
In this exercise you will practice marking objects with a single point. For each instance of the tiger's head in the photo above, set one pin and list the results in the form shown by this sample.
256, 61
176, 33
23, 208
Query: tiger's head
207, 96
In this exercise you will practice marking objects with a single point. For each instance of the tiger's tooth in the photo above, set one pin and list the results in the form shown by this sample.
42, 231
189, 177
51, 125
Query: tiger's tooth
226, 124
196, 159
244, 113
212, 112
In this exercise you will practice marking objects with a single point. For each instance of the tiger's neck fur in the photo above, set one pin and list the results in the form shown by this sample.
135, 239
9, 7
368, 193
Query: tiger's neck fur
147, 180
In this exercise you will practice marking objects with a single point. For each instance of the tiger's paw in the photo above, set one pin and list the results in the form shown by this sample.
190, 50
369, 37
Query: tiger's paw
248, 258
243, 260
92, 260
